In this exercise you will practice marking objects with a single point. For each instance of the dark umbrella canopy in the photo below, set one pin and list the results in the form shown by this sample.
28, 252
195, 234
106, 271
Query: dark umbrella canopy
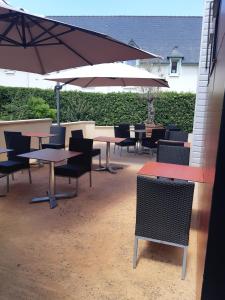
39, 45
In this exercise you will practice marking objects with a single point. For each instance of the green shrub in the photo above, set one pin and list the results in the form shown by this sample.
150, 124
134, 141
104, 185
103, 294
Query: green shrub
104, 109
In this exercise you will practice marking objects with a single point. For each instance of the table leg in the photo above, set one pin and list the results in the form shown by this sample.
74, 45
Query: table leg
108, 167
52, 196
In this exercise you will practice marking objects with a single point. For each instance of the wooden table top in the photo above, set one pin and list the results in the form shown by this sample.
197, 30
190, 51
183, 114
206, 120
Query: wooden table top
172, 171
4, 150
108, 139
52, 155
38, 134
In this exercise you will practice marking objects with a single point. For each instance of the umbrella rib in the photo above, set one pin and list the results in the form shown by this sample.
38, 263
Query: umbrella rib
23, 31
38, 54
59, 40
89, 82
160, 82
123, 81
49, 38
8, 29
41, 34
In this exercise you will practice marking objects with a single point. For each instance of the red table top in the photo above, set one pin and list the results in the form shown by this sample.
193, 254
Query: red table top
108, 139
53, 155
38, 134
172, 171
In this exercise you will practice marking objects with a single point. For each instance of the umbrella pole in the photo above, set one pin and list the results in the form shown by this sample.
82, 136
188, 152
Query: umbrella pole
58, 87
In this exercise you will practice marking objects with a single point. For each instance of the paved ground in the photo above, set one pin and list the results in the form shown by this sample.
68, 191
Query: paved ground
83, 248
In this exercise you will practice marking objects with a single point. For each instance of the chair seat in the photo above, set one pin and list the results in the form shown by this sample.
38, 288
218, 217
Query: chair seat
148, 143
53, 146
70, 170
95, 152
127, 142
10, 166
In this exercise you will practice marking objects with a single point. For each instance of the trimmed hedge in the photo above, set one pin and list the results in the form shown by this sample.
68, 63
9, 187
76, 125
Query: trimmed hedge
112, 108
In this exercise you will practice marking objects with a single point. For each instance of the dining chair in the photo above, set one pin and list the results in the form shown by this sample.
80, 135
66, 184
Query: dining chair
58, 140
151, 142
20, 144
79, 165
128, 142
78, 134
178, 135
173, 154
170, 143
163, 214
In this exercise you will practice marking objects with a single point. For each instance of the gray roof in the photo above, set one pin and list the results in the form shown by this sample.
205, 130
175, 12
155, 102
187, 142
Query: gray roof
156, 34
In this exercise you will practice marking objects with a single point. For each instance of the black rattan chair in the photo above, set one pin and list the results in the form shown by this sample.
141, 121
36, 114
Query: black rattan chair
163, 214
173, 154
79, 165
78, 134
58, 140
20, 144
151, 142
128, 142
170, 143
178, 136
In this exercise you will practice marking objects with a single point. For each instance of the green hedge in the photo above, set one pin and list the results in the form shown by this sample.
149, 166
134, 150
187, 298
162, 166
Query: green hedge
109, 109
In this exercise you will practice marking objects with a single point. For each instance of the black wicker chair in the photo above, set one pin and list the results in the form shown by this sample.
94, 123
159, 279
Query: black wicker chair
173, 154
171, 127
151, 142
128, 142
163, 214
20, 144
170, 143
78, 134
178, 136
79, 165
58, 140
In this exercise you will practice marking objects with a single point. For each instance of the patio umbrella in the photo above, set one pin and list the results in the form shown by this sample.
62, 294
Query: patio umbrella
111, 74
36, 44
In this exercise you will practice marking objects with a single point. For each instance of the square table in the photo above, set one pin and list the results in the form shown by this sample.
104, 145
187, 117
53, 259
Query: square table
52, 156
39, 135
108, 140
172, 171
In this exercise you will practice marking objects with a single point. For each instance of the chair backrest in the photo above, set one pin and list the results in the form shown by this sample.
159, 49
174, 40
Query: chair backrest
170, 143
84, 146
137, 127
173, 154
178, 136
172, 127
117, 131
124, 130
20, 144
60, 135
77, 134
164, 209
9, 136
157, 134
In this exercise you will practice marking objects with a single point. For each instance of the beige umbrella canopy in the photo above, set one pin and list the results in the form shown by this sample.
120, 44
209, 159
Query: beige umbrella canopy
36, 44
111, 74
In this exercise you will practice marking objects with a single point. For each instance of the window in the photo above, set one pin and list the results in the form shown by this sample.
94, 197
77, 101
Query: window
175, 67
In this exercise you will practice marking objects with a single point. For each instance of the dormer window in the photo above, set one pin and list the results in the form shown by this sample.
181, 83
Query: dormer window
175, 60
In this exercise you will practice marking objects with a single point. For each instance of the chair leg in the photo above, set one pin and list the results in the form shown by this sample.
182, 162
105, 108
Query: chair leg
76, 186
13, 178
30, 179
7, 183
114, 150
135, 252
100, 160
121, 151
184, 263
90, 177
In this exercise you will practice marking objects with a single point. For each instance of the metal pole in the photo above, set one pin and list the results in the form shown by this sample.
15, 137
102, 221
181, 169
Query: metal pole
58, 87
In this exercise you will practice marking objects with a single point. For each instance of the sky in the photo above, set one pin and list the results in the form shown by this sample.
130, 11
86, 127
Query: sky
112, 7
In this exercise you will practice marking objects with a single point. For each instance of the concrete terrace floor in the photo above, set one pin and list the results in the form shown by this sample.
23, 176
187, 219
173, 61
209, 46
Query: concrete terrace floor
83, 248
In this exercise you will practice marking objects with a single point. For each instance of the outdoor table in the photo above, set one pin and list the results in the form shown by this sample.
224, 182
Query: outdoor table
108, 140
39, 135
4, 150
52, 156
172, 171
